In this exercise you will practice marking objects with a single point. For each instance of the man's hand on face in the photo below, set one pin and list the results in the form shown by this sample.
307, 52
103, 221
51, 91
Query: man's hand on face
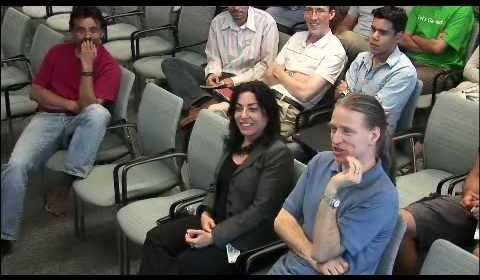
87, 55
352, 172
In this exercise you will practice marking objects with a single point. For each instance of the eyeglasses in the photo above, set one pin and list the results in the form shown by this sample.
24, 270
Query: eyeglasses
309, 10
83, 31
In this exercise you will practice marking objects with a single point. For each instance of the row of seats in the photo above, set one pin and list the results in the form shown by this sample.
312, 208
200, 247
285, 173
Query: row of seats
157, 142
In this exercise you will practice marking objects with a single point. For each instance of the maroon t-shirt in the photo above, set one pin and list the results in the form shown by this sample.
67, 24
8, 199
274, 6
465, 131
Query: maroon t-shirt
61, 68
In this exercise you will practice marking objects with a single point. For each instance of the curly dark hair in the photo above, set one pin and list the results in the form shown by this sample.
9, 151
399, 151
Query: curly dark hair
266, 100
396, 15
87, 12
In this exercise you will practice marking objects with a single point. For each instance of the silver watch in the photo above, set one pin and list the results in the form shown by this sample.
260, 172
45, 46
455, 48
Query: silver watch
333, 202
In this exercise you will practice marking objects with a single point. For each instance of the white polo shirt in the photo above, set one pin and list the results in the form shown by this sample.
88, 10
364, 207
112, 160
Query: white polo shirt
326, 58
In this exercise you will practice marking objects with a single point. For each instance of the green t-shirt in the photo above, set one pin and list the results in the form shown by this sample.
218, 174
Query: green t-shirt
429, 21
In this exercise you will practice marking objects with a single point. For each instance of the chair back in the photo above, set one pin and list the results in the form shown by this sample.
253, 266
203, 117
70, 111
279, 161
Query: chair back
446, 258
406, 118
194, 25
43, 39
282, 39
119, 108
133, 20
299, 168
385, 266
206, 148
157, 121
15, 26
451, 136
156, 16
473, 43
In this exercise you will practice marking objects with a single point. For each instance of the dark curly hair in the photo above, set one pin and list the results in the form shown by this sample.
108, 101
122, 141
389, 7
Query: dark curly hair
87, 12
266, 100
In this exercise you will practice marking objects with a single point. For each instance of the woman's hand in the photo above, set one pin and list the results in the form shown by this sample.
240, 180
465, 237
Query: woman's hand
198, 238
207, 222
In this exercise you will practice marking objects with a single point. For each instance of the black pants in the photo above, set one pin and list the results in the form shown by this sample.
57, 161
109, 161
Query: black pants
166, 252
184, 79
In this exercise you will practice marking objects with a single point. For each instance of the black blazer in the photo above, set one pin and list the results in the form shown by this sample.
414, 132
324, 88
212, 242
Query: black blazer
256, 193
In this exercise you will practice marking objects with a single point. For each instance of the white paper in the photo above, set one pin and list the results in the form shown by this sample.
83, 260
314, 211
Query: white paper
232, 253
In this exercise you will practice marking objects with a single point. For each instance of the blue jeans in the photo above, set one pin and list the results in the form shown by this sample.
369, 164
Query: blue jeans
44, 135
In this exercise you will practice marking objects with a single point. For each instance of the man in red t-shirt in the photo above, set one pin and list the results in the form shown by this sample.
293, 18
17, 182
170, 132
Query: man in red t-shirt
75, 81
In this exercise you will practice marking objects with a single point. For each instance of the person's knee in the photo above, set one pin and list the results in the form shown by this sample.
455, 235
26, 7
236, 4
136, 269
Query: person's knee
19, 164
97, 113
407, 217
169, 64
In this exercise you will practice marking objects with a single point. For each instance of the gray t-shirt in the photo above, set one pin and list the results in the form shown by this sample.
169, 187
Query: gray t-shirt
364, 17
366, 216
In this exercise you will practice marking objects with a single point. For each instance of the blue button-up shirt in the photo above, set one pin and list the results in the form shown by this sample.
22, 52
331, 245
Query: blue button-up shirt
391, 82
366, 216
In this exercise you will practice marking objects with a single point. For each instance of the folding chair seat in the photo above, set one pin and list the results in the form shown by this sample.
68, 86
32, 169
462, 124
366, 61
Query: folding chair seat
203, 155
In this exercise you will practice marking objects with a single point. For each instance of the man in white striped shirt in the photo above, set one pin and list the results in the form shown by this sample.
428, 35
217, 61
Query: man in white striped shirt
242, 43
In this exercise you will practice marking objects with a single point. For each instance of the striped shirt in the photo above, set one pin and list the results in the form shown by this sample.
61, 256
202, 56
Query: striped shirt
246, 50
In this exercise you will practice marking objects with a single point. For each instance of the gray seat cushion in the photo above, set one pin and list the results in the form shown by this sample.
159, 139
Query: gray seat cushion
151, 66
120, 31
19, 105
153, 177
138, 217
412, 187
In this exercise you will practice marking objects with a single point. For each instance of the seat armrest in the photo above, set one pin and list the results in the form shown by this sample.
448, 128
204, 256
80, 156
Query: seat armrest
111, 19
444, 180
452, 185
191, 45
252, 260
446, 74
126, 166
135, 37
179, 206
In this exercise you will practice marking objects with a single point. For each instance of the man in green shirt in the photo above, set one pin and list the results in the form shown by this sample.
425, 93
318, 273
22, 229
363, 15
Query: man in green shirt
436, 38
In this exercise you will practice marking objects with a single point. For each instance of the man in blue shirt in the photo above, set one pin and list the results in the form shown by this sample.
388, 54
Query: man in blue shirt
384, 71
342, 212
